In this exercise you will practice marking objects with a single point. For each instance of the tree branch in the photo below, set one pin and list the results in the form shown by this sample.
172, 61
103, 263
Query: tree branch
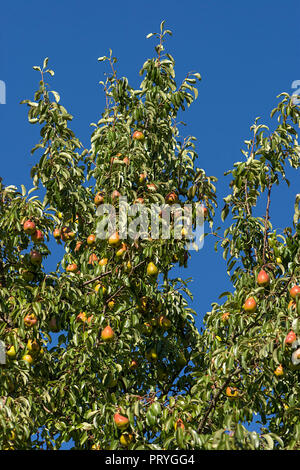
86, 283
215, 400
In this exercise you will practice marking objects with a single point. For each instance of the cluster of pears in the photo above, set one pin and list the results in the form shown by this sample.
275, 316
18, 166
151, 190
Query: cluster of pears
263, 280
32, 351
122, 423
151, 308
34, 259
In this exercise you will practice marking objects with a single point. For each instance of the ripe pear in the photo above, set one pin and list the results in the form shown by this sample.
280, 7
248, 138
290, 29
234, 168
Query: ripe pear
164, 322
204, 211
151, 187
143, 303
162, 373
232, 392
93, 258
37, 237
147, 329
121, 251
152, 269
250, 305
103, 262
122, 422
278, 371
72, 268
126, 439
263, 278
107, 334
151, 355
115, 195
171, 197
114, 239
33, 346
96, 447
30, 320
292, 305
138, 135
98, 286
91, 239
290, 338
133, 364
53, 325
11, 352
28, 358
29, 227
294, 291
179, 424
99, 199
295, 360
181, 360
184, 232
225, 316
27, 275
35, 257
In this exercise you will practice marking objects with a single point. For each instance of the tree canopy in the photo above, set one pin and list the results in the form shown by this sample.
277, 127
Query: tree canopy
104, 351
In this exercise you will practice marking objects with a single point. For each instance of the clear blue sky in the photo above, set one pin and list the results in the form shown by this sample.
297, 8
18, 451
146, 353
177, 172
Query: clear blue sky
246, 51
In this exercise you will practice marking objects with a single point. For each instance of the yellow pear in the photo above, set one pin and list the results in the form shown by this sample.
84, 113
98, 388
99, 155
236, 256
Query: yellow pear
33, 346
121, 251
27, 358
98, 286
11, 352
126, 439
103, 262
96, 447
114, 239
152, 269
152, 355
128, 267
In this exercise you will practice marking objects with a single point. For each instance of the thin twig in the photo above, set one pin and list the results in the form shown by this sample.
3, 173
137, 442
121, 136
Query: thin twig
267, 216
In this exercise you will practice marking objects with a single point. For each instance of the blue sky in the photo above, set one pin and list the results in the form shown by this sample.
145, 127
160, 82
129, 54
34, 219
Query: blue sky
246, 51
